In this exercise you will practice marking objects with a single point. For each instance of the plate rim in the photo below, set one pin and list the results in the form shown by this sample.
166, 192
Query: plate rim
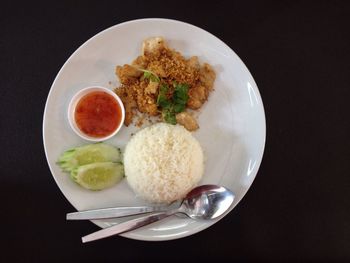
256, 90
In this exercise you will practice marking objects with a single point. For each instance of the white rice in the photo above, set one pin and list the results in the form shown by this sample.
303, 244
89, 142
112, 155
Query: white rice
163, 163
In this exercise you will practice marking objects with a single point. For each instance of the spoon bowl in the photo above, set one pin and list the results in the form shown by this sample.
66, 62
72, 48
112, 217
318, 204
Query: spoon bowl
207, 202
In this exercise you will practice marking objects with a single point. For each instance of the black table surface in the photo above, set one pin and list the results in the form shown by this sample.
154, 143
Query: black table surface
298, 205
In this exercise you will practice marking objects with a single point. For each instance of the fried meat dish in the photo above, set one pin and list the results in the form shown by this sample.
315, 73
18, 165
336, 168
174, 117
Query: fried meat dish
159, 66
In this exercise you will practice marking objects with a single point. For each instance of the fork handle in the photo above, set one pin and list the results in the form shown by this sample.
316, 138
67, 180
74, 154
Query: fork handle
127, 226
114, 212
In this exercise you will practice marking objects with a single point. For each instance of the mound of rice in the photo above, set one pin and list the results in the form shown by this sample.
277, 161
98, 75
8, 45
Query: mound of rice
163, 163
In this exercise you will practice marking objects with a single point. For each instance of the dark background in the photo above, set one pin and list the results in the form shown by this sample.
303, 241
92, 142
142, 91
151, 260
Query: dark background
298, 206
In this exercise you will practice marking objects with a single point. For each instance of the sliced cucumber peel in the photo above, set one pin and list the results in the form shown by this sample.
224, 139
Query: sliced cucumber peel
88, 154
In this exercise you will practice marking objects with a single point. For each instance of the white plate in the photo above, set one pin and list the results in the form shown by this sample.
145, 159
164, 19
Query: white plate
232, 122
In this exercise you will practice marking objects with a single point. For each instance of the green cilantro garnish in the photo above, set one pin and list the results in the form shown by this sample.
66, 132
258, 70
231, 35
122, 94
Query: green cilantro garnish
169, 116
175, 104
179, 108
150, 75
162, 99
180, 95
169, 105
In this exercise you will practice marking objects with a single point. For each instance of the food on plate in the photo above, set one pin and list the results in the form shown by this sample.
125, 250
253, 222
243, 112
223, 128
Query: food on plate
98, 176
98, 114
94, 166
162, 82
163, 162
91, 153
187, 120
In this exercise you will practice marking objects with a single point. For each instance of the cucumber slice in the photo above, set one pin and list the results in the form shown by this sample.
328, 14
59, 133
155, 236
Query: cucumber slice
91, 153
98, 176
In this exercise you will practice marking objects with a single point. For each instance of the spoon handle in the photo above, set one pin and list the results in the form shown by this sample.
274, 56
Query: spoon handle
126, 226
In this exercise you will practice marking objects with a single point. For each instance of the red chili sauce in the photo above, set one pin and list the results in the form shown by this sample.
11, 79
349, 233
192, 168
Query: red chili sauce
97, 114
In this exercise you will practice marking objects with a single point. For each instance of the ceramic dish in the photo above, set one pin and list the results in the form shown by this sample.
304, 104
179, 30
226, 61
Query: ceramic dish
232, 121
74, 102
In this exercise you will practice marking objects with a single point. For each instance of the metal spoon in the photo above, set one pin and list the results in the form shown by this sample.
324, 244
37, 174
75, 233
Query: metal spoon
203, 202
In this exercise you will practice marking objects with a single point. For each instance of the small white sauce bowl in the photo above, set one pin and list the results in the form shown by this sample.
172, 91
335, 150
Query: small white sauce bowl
71, 113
